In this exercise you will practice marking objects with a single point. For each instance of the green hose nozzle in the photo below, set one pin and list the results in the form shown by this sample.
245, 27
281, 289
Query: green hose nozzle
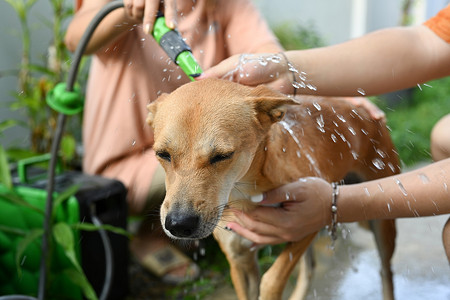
176, 48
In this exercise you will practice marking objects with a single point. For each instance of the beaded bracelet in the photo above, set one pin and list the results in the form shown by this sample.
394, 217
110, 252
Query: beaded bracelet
334, 195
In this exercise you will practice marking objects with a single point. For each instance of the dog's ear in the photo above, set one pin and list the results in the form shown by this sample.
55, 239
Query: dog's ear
270, 105
152, 108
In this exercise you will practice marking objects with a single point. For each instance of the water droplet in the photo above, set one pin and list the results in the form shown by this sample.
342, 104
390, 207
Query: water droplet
341, 117
364, 131
311, 87
352, 130
275, 59
345, 232
317, 106
288, 196
381, 188
378, 163
320, 123
298, 85
367, 192
334, 138
23, 260
424, 178
361, 91
391, 166
402, 188
354, 154
381, 153
389, 207
133, 143
263, 62
356, 113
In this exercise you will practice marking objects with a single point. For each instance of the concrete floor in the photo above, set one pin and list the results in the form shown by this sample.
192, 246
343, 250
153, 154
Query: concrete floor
351, 271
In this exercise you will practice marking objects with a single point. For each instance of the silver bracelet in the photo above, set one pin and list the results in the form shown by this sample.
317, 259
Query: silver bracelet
334, 196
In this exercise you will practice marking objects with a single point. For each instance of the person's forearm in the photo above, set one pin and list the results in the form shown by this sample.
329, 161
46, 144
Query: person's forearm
379, 62
422, 192
114, 24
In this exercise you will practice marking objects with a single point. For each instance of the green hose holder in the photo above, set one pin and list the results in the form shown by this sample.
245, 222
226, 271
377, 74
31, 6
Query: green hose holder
64, 101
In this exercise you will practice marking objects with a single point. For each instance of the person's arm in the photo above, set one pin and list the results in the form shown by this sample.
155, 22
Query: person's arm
116, 22
419, 193
378, 62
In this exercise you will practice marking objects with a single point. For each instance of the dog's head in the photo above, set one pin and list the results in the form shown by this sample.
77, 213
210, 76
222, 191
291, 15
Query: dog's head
206, 136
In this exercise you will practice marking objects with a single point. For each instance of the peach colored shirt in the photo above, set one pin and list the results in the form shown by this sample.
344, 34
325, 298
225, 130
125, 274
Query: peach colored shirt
440, 24
133, 71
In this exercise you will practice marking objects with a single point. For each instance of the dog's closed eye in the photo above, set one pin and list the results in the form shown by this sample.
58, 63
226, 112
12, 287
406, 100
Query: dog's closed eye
164, 155
220, 157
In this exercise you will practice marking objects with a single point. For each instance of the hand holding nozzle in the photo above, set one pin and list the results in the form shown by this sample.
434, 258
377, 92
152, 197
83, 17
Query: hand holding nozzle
146, 10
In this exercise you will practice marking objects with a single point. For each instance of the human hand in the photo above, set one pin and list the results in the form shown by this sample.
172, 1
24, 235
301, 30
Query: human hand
270, 69
146, 11
305, 208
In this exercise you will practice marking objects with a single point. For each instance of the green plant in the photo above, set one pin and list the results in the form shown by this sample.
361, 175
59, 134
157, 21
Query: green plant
64, 232
298, 36
36, 80
412, 121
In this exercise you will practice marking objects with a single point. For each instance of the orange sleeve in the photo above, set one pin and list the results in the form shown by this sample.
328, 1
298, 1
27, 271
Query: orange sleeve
440, 24
78, 4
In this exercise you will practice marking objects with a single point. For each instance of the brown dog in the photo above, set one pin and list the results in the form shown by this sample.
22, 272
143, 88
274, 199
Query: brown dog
220, 143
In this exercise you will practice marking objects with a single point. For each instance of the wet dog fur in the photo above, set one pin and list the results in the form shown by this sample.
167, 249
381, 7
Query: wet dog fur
221, 142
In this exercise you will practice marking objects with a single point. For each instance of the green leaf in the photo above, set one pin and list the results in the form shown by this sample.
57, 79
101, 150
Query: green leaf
5, 174
92, 227
69, 192
68, 147
64, 237
13, 230
7, 124
14, 198
80, 280
23, 245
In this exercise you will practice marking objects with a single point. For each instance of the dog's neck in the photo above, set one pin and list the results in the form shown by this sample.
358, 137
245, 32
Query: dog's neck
256, 181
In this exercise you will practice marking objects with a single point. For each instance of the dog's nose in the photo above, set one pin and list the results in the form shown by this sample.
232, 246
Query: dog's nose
182, 224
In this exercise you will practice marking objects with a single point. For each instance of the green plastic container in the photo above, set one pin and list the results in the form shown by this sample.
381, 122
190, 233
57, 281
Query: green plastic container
24, 279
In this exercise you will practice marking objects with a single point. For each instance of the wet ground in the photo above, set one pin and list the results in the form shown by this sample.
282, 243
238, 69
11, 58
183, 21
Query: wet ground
351, 271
